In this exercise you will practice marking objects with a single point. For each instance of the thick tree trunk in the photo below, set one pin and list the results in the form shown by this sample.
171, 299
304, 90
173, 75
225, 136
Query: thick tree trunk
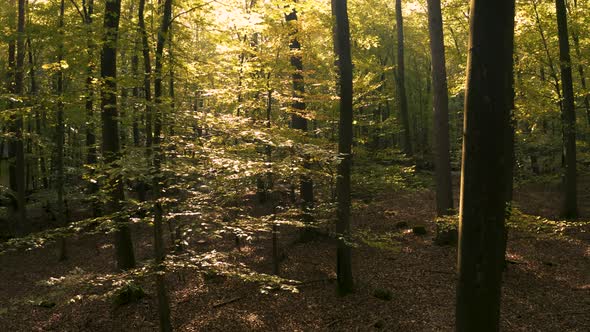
159, 251
110, 129
442, 159
401, 81
344, 60
568, 113
487, 165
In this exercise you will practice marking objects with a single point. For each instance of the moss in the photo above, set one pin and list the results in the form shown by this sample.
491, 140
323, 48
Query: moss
129, 293
384, 241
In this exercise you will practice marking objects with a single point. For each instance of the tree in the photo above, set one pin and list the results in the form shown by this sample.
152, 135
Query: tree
487, 165
16, 146
297, 119
59, 169
344, 60
91, 153
580, 67
159, 250
147, 90
110, 130
568, 113
401, 80
442, 159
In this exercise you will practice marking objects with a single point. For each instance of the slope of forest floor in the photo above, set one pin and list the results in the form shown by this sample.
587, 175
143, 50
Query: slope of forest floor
403, 281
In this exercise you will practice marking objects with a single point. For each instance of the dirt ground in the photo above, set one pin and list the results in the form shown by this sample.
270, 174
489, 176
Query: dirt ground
546, 285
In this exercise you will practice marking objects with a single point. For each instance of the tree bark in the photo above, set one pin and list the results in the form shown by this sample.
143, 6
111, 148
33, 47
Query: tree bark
297, 120
60, 129
146, 76
110, 130
11, 87
568, 113
576, 40
344, 60
91, 151
487, 165
19, 152
442, 159
159, 251
401, 80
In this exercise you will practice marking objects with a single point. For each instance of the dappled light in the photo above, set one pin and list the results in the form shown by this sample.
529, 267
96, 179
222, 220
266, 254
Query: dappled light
294, 165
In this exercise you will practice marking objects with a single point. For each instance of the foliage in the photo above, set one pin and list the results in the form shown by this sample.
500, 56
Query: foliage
128, 293
385, 241
542, 226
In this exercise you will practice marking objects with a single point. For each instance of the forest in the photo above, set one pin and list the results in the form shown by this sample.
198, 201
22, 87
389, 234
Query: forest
294, 165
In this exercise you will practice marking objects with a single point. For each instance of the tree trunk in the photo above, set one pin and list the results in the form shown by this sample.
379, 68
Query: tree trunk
159, 251
60, 129
147, 67
110, 130
344, 60
487, 165
442, 159
401, 80
298, 121
91, 153
568, 113
33, 170
11, 85
136, 95
576, 40
19, 152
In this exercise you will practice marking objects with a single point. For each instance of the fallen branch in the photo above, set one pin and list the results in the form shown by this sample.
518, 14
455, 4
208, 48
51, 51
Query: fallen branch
232, 300
333, 323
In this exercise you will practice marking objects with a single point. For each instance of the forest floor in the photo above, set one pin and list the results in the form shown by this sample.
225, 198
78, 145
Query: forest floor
403, 283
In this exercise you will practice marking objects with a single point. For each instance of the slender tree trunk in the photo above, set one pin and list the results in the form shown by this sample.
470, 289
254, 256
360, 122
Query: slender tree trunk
136, 95
269, 181
442, 159
552, 68
297, 119
160, 254
91, 151
11, 77
576, 40
171, 81
147, 74
19, 152
11, 46
60, 129
110, 130
487, 165
401, 80
344, 60
568, 113
33, 169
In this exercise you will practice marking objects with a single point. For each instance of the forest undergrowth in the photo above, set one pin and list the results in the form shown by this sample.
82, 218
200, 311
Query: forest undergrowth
404, 282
